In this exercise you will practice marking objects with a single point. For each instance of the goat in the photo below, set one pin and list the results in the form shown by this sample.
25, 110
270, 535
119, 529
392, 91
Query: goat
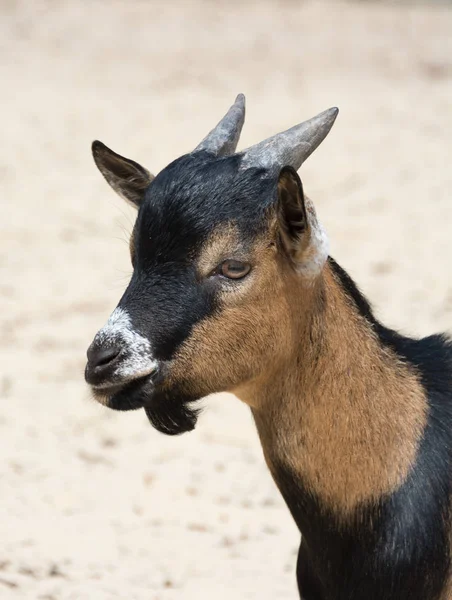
233, 289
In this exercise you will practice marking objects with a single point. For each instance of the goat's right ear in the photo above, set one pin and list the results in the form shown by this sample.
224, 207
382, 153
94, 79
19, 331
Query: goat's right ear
129, 179
300, 232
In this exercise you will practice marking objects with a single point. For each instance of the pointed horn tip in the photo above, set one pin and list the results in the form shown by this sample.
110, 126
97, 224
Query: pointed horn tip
324, 120
240, 99
334, 110
332, 113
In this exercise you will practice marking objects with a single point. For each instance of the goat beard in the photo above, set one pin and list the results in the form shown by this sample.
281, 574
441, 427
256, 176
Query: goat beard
170, 410
172, 413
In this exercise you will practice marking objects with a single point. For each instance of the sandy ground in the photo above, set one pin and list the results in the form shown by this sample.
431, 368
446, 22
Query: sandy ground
95, 504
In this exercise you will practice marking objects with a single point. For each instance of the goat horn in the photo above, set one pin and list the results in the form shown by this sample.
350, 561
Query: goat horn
291, 147
223, 139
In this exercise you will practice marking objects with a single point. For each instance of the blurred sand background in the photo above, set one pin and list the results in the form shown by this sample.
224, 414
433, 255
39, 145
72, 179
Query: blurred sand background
96, 505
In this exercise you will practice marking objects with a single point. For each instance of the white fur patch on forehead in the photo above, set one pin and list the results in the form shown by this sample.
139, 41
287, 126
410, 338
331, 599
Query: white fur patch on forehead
138, 360
315, 253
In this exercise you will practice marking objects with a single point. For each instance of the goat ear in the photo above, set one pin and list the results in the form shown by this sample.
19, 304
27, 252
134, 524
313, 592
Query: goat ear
129, 179
301, 234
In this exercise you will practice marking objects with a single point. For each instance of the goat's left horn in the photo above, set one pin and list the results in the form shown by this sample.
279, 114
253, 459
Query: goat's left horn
223, 139
291, 147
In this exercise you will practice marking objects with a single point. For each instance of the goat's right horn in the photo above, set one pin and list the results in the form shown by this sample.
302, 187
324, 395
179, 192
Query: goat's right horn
223, 139
291, 147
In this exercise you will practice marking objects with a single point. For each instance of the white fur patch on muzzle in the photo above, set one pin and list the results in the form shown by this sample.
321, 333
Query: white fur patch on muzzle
136, 352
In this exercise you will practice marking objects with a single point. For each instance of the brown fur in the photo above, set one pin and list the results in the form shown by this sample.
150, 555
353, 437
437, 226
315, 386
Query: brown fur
447, 592
236, 342
218, 248
329, 401
350, 415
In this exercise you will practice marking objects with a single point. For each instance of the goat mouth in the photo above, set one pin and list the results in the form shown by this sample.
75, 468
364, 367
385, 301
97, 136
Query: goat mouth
169, 410
126, 396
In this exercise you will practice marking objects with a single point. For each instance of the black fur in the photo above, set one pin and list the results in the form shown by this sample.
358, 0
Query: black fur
397, 549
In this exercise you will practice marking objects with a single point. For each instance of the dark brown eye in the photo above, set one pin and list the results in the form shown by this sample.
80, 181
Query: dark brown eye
234, 269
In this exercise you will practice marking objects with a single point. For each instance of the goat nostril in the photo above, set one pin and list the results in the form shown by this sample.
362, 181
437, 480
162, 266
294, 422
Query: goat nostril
106, 356
100, 357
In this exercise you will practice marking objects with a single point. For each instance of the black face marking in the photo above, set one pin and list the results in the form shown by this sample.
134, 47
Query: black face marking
183, 206
188, 201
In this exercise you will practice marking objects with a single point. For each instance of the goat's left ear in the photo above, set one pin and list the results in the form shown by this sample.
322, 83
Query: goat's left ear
301, 234
129, 179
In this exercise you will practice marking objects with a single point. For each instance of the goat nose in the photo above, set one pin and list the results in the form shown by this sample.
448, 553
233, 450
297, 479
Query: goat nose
101, 362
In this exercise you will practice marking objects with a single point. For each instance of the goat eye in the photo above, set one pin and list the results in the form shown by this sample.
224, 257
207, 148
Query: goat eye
234, 269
